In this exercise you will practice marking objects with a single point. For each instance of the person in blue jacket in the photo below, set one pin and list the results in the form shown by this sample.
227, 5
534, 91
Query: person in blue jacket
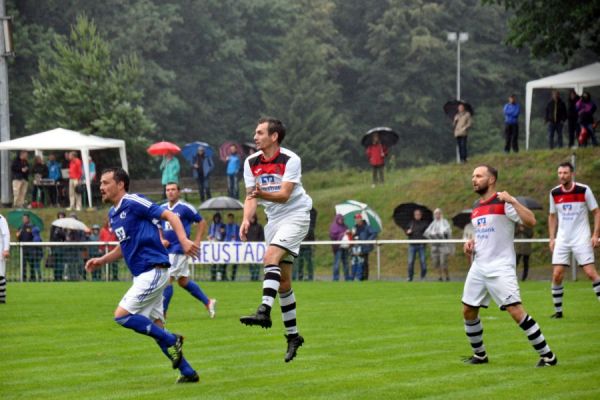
203, 166
512, 109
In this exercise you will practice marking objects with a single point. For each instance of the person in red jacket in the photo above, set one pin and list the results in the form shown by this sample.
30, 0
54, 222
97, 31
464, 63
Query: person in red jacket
75, 174
376, 152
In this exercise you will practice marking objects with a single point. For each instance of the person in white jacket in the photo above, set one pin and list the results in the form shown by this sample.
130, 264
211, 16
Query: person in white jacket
4, 253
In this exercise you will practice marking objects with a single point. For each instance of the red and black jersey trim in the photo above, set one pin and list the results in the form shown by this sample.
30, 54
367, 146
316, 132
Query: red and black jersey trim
575, 195
275, 165
491, 206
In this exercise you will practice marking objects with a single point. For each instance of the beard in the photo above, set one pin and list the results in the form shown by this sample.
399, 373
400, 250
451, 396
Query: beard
481, 189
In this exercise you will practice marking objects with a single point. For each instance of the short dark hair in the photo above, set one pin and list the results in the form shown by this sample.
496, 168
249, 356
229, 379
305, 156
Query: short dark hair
230, 215
567, 164
173, 183
491, 170
119, 175
274, 125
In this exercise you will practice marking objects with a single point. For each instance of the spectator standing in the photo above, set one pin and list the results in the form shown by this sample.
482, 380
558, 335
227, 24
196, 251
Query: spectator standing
170, 171
20, 176
572, 117
556, 115
55, 174
75, 175
37, 254
376, 153
57, 253
25, 234
232, 234
523, 250
256, 233
462, 123
233, 168
439, 228
512, 109
364, 232
416, 231
40, 171
358, 261
94, 251
586, 109
216, 233
203, 166
4, 255
107, 235
305, 254
337, 232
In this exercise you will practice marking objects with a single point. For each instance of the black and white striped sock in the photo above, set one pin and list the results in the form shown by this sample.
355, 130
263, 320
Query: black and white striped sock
596, 287
474, 331
557, 297
2, 289
535, 336
288, 312
271, 283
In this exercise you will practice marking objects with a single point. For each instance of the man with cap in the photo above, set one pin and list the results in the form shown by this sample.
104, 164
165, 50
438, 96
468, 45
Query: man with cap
364, 232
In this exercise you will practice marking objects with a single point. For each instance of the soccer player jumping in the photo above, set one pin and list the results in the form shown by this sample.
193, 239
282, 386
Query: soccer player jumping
133, 220
272, 178
179, 261
569, 205
493, 271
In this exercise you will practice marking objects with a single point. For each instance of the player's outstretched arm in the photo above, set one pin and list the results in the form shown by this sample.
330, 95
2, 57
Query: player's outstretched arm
281, 196
250, 204
110, 257
524, 213
189, 248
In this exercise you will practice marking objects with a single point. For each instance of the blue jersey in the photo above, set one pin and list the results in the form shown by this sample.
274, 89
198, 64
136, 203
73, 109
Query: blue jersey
134, 221
188, 215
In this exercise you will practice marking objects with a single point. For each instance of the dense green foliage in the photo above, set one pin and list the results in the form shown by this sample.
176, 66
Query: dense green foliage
371, 340
331, 69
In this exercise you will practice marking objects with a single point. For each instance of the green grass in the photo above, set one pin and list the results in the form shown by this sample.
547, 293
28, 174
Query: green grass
369, 340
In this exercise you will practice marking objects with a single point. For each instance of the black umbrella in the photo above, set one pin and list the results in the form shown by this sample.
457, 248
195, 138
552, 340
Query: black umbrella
451, 108
404, 213
530, 203
461, 219
387, 136
221, 203
249, 148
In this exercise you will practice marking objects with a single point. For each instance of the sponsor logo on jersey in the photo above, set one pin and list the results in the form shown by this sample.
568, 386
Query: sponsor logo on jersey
123, 215
481, 222
567, 207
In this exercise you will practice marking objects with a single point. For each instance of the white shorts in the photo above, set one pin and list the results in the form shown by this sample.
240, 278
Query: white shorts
145, 296
179, 266
501, 285
287, 233
583, 252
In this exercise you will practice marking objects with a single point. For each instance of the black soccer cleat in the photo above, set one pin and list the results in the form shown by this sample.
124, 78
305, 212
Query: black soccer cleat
260, 318
547, 361
294, 343
176, 351
188, 378
475, 359
557, 315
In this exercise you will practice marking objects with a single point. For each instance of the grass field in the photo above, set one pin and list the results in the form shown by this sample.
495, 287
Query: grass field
369, 340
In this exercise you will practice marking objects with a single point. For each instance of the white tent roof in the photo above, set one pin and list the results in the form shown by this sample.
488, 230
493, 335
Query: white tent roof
577, 79
64, 139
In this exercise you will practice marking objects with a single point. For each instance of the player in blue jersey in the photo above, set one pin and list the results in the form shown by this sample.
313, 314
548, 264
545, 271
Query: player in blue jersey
133, 219
179, 261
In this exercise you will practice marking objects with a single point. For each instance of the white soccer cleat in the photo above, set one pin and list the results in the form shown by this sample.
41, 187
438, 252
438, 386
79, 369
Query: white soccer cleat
212, 307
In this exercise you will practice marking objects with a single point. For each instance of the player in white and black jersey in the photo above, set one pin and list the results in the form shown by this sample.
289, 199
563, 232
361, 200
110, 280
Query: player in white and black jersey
569, 232
272, 178
493, 271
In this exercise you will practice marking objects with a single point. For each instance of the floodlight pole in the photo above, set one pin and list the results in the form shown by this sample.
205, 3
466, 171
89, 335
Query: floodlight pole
458, 37
4, 109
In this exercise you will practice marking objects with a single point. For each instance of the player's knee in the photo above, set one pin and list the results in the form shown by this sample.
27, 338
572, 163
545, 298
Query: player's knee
557, 276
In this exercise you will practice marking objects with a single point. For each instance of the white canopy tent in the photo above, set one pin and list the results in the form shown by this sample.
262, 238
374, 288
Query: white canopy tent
64, 139
577, 79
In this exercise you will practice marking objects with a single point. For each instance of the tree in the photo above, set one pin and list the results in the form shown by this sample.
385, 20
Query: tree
79, 88
553, 26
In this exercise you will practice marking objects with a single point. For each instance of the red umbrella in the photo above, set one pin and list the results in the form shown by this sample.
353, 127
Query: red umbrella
224, 149
163, 148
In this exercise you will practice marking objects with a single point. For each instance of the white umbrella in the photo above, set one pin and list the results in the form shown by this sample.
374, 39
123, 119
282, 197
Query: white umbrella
350, 208
221, 203
70, 223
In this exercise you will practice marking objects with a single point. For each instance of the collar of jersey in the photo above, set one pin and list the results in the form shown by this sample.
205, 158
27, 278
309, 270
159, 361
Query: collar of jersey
174, 205
489, 200
263, 159
568, 191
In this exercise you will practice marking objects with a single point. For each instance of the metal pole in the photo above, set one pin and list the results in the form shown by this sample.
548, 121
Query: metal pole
458, 66
4, 116
573, 261
21, 268
378, 262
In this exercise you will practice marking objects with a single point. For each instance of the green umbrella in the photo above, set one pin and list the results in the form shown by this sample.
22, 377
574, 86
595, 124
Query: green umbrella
15, 218
350, 208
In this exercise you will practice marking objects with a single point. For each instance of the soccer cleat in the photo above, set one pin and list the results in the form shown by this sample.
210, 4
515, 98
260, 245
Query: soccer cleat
547, 361
260, 318
212, 304
188, 378
475, 359
557, 315
176, 351
294, 344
